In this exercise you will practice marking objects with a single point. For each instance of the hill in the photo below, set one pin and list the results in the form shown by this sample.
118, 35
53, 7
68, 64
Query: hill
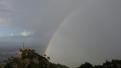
28, 58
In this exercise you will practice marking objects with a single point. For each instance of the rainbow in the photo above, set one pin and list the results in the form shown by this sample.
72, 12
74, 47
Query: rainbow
64, 22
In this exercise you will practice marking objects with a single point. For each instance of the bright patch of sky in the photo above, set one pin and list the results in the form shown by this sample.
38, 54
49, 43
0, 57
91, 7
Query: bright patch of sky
11, 32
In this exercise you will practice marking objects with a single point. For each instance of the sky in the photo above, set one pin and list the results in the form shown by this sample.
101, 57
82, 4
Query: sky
90, 32
73, 31
24, 21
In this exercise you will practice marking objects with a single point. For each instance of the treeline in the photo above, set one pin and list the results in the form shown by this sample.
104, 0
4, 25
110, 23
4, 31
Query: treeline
107, 64
28, 58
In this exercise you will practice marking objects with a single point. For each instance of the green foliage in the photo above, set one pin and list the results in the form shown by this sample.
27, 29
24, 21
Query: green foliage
28, 58
1, 65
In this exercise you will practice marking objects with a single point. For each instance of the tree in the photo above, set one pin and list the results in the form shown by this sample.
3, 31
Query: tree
86, 65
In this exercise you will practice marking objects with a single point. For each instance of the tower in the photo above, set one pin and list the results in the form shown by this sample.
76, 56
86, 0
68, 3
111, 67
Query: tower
23, 46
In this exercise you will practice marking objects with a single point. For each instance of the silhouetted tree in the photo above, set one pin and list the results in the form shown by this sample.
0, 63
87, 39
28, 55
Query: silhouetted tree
86, 65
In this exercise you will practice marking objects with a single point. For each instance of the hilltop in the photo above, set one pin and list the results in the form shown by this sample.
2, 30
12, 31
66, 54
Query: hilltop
28, 58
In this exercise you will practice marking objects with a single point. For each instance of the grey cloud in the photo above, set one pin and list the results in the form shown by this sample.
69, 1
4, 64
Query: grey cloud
91, 34
91, 29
